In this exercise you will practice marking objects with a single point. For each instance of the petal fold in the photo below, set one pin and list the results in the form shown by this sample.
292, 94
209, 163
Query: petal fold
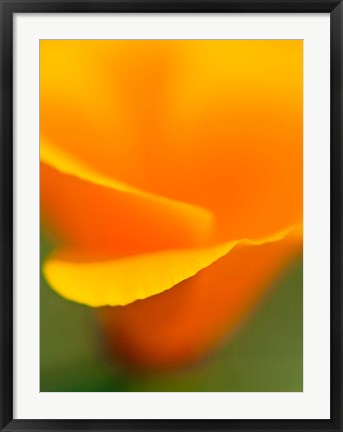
90, 211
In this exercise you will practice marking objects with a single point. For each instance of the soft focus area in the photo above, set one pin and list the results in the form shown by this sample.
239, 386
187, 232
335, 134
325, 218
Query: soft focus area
263, 354
171, 180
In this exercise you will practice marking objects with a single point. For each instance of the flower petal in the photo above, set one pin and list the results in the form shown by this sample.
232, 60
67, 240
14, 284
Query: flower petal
217, 124
103, 216
181, 324
94, 110
124, 280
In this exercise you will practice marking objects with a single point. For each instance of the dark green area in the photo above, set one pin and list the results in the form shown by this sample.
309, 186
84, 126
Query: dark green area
265, 354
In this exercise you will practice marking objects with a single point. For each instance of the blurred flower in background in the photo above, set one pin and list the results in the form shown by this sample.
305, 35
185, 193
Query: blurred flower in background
171, 183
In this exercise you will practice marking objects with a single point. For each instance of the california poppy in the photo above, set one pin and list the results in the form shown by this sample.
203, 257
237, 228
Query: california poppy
171, 175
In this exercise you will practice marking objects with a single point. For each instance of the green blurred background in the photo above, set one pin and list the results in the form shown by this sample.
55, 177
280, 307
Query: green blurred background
264, 355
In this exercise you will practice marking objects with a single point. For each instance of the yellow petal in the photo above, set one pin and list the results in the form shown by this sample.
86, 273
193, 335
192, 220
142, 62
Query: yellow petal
122, 281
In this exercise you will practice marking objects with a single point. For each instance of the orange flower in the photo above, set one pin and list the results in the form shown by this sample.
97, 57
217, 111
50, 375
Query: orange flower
171, 173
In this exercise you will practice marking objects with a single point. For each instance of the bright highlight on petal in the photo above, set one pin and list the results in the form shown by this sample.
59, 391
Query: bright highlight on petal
122, 281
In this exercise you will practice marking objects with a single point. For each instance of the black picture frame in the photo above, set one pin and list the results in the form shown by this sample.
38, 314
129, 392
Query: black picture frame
8, 9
